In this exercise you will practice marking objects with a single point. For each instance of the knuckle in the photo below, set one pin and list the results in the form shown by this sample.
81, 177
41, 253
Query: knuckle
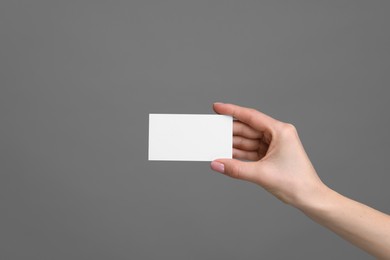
235, 171
252, 110
290, 127
288, 130
252, 117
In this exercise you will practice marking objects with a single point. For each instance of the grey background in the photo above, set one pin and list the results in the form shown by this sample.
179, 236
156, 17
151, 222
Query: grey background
78, 79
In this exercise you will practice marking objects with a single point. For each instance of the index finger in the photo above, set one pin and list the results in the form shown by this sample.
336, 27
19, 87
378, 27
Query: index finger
249, 116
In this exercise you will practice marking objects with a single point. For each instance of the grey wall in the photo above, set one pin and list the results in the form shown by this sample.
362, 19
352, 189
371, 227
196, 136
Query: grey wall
78, 79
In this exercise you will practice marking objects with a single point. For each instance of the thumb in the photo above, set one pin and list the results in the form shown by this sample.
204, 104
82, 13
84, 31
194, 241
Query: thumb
235, 168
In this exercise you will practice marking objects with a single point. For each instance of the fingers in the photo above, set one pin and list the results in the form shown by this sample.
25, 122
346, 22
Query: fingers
244, 130
245, 143
250, 135
235, 169
251, 117
251, 155
246, 155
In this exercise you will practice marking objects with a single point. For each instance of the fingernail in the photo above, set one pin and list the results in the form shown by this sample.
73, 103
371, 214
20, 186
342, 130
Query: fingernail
218, 103
218, 167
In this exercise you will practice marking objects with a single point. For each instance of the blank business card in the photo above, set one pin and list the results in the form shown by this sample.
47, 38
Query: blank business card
190, 137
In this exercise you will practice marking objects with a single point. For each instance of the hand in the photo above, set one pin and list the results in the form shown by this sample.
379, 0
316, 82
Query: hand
276, 160
274, 156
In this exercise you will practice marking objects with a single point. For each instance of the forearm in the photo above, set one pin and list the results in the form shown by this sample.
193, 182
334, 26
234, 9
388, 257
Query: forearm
279, 163
361, 225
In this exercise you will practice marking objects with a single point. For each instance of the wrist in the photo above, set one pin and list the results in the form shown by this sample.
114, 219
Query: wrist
320, 199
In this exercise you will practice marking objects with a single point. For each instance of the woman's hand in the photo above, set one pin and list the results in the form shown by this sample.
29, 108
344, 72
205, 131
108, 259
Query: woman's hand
276, 160
274, 156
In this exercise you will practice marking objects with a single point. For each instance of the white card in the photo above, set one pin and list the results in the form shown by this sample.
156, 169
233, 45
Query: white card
189, 137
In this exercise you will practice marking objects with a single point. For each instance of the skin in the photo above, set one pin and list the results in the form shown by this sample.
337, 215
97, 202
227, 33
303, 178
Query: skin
269, 153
